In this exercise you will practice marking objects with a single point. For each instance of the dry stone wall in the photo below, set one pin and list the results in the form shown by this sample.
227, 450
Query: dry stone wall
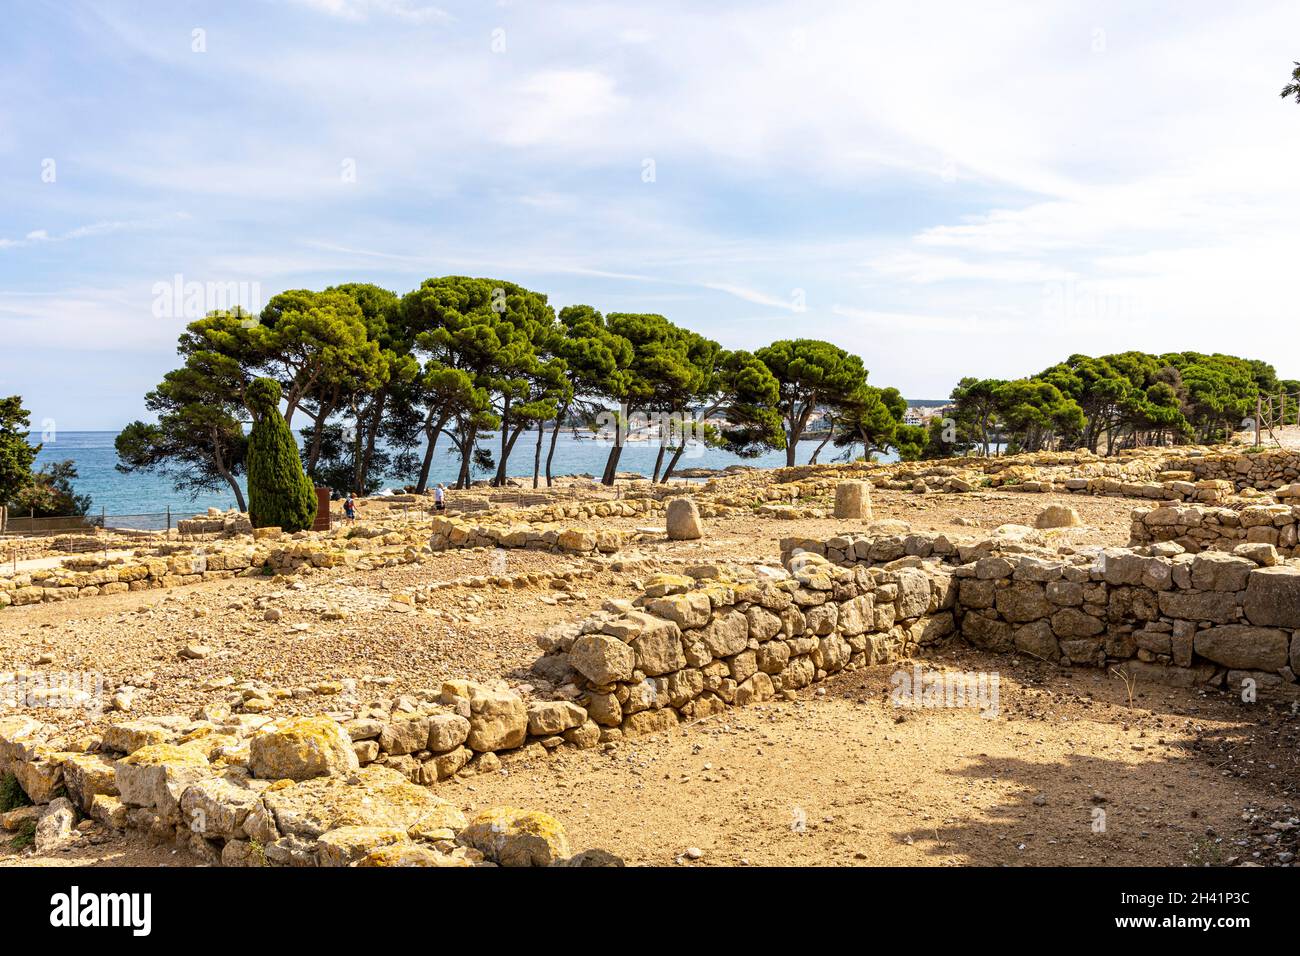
1196, 528
1262, 470
1161, 613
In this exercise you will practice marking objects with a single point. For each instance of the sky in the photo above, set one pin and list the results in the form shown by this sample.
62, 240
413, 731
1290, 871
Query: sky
944, 188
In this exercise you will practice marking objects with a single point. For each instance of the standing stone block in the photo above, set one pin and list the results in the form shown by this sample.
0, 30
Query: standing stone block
683, 520
853, 500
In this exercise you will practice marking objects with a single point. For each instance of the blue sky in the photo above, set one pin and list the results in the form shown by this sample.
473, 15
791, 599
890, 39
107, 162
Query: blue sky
944, 188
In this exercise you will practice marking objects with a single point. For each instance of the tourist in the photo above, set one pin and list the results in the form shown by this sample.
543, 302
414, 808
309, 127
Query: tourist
440, 497
350, 509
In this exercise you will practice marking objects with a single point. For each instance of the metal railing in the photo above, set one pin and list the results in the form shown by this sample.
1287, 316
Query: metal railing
71, 524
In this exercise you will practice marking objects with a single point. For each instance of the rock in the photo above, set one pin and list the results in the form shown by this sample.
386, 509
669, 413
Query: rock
372, 797
1273, 597
154, 777
726, 634
346, 845
87, 775
407, 734
498, 719
602, 659
1037, 640
447, 732
513, 837
584, 736
683, 520
853, 500
217, 808
1058, 516
54, 829
1244, 648
1265, 555
591, 858
300, 749
194, 652
411, 854
549, 717
657, 645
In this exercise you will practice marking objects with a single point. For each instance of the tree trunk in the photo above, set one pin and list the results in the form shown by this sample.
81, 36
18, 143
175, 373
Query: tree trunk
220, 462
818, 450
506, 444
431, 438
659, 461
375, 417
672, 463
611, 465
537, 456
550, 455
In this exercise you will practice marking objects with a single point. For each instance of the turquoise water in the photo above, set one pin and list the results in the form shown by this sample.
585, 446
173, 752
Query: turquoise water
117, 494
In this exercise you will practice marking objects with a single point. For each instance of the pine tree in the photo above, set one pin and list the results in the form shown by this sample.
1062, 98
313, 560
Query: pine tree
279, 493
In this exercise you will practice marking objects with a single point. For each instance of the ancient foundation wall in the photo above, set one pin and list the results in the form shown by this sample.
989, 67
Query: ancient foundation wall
1196, 528
1182, 619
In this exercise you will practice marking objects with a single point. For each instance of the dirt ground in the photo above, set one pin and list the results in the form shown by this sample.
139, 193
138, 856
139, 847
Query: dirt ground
839, 776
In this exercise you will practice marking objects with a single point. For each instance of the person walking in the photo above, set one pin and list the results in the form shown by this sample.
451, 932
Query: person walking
440, 498
350, 509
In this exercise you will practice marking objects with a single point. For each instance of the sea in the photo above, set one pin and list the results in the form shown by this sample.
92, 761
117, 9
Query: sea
116, 494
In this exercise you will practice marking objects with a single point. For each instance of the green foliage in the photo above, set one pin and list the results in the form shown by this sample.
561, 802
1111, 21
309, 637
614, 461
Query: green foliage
1293, 88
279, 492
811, 374
16, 455
198, 440
25, 836
50, 493
12, 796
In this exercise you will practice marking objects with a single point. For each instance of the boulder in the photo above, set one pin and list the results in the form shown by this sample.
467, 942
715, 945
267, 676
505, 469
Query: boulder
1244, 648
513, 837
1058, 516
683, 520
54, 828
602, 659
300, 749
446, 732
549, 717
1273, 597
372, 797
498, 719
154, 777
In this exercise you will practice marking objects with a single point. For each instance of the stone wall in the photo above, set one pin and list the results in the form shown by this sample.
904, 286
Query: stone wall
268, 552
1196, 528
243, 790
1262, 470
1178, 618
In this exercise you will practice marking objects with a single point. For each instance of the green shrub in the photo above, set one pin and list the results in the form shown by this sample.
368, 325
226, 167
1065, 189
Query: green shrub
26, 835
11, 794
279, 493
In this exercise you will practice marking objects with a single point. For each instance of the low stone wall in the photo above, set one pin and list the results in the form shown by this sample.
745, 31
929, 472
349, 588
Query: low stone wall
216, 521
267, 552
246, 791
1177, 618
688, 648
459, 533
1263, 470
1197, 528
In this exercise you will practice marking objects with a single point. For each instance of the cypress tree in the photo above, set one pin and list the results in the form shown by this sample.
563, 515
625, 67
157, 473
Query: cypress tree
279, 493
